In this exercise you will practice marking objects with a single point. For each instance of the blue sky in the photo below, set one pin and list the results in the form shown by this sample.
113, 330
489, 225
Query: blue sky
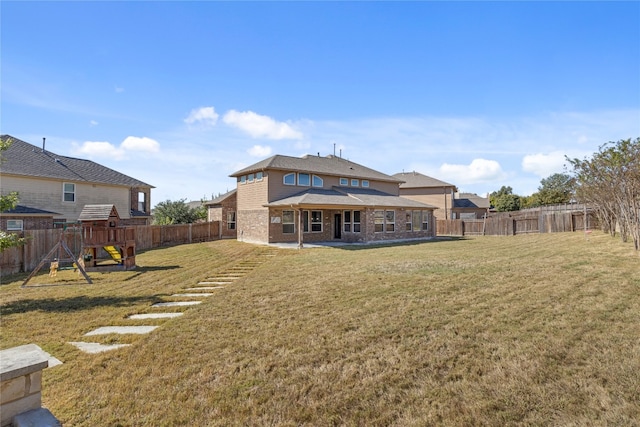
182, 94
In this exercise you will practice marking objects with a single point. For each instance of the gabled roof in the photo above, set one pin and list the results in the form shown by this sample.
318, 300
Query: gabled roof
341, 196
418, 180
98, 212
470, 200
218, 200
329, 165
28, 211
24, 159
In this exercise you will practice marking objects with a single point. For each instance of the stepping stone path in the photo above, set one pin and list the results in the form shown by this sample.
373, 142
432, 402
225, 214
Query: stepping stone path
221, 278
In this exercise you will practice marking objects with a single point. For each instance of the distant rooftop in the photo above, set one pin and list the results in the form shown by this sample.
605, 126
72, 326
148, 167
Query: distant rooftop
418, 180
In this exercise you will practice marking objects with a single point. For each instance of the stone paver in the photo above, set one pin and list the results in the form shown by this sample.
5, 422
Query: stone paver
204, 288
175, 303
199, 294
155, 315
94, 347
121, 330
215, 283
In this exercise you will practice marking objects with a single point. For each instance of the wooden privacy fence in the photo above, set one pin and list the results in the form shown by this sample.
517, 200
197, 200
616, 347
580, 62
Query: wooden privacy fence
40, 242
512, 224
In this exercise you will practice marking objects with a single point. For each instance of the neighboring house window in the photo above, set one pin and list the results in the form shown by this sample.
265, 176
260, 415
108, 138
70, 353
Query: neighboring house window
355, 182
344, 182
409, 226
378, 219
259, 176
390, 221
289, 179
250, 177
243, 179
317, 181
365, 183
351, 221
15, 225
288, 222
304, 179
142, 203
231, 220
68, 192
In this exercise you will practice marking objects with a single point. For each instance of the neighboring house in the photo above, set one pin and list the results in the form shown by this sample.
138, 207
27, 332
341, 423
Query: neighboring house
470, 206
25, 218
58, 187
223, 208
423, 188
320, 199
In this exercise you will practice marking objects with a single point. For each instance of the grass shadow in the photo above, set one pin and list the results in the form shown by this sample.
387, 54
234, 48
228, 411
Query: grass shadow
62, 305
382, 244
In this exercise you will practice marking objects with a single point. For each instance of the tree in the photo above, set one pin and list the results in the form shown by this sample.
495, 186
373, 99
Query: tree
610, 183
504, 200
7, 202
554, 190
177, 212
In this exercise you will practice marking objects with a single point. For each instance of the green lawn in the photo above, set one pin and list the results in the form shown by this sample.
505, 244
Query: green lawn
523, 330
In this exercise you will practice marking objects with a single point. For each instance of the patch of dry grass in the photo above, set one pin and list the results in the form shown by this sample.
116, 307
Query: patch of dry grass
524, 330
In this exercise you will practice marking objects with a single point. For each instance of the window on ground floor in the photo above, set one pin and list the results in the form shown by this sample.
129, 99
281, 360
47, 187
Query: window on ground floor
288, 222
312, 220
390, 221
231, 220
15, 225
378, 220
351, 221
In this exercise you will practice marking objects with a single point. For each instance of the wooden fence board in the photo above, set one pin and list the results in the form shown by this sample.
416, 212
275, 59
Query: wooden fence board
39, 242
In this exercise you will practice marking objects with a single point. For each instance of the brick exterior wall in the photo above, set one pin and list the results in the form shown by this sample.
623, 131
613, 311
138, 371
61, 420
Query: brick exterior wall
253, 225
28, 223
220, 212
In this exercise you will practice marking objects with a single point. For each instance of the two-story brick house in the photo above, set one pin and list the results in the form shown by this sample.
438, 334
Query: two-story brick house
53, 188
320, 199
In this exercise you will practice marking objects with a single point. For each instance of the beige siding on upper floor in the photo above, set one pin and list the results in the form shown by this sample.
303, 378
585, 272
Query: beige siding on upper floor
46, 194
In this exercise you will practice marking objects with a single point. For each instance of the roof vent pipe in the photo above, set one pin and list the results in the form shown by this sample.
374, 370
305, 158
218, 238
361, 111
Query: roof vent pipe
43, 142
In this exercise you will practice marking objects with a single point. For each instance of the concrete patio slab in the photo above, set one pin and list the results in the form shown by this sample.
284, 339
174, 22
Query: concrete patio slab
94, 347
175, 303
121, 330
155, 316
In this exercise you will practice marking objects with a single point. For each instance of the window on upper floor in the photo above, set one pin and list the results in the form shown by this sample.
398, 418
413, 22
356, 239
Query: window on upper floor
317, 181
289, 179
250, 177
344, 182
68, 192
365, 183
243, 179
355, 182
304, 179
259, 176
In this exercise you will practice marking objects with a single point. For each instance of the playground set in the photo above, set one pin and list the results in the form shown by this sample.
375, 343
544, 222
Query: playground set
100, 244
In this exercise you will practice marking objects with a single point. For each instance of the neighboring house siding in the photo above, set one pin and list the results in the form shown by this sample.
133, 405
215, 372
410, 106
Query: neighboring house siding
220, 212
47, 194
439, 197
28, 223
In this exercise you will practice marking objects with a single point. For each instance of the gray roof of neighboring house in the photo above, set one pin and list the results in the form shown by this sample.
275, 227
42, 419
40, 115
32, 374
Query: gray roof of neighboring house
329, 165
25, 159
97, 212
218, 200
470, 200
26, 210
340, 196
418, 180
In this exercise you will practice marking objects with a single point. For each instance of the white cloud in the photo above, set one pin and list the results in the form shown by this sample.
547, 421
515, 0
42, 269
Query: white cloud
93, 123
259, 151
204, 115
119, 89
106, 150
479, 170
259, 126
134, 143
101, 149
544, 165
